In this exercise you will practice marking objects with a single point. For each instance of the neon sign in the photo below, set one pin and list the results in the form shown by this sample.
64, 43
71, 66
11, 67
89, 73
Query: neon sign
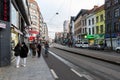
5, 10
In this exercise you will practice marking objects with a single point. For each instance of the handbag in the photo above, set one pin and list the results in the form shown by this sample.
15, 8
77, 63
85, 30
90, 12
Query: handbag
15, 54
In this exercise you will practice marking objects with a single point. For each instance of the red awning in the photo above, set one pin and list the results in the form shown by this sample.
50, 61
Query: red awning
33, 32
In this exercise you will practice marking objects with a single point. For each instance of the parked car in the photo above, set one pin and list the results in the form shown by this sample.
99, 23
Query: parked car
82, 45
117, 49
85, 45
97, 47
78, 45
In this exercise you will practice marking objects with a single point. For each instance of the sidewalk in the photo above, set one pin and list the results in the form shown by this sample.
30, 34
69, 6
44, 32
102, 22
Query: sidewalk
36, 69
107, 56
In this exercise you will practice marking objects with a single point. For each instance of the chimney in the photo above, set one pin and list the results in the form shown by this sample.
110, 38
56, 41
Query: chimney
95, 7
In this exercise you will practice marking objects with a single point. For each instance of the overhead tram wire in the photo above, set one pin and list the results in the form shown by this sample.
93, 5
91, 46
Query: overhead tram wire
57, 12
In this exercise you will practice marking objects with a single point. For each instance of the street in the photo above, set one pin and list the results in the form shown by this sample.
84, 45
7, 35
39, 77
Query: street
69, 66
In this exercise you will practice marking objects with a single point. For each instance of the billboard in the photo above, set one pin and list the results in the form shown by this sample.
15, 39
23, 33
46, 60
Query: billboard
5, 10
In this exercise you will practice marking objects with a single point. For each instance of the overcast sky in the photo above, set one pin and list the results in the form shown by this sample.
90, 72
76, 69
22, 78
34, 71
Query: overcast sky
65, 8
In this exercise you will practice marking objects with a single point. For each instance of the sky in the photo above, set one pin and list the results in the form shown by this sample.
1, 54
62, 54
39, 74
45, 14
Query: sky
65, 9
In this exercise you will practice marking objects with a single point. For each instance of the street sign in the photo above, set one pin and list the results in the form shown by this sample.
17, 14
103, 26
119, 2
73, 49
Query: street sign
2, 25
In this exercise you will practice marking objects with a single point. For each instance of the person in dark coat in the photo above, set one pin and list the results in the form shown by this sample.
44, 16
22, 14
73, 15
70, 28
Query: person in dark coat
17, 50
46, 48
33, 47
39, 50
24, 53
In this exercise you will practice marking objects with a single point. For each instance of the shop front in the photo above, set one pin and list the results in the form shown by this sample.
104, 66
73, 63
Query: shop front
99, 38
90, 39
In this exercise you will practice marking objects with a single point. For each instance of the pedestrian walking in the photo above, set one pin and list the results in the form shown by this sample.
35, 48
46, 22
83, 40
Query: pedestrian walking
17, 50
39, 50
33, 49
30, 50
46, 48
24, 53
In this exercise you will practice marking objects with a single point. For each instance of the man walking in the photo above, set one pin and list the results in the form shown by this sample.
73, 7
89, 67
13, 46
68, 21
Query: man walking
39, 50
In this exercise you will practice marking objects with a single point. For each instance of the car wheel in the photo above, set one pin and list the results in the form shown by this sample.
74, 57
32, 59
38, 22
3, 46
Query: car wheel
118, 51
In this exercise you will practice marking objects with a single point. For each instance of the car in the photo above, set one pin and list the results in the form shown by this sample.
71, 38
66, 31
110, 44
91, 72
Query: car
85, 45
96, 47
117, 49
78, 45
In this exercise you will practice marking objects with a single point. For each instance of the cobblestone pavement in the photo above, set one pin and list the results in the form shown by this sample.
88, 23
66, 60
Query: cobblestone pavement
36, 69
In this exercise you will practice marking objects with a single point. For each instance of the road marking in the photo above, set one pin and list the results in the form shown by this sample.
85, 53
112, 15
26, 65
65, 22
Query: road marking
76, 72
54, 74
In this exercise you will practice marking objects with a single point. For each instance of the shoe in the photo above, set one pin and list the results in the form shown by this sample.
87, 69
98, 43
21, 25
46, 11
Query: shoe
23, 65
17, 66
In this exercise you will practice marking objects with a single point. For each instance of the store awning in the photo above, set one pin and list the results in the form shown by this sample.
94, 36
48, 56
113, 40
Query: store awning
33, 32
90, 37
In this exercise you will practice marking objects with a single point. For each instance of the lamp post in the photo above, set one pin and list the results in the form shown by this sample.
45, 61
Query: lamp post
111, 38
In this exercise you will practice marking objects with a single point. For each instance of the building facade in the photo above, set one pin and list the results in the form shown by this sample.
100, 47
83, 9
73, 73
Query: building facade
78, 25
112, 23
100, 25
36, 17
15, 19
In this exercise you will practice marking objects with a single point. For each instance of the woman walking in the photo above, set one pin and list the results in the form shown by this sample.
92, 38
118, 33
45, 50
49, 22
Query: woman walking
17, 50
24, 53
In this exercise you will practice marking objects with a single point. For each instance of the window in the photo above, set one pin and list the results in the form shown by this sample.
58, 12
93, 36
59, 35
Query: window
14, 16
92, 30
33, 17
109, 16
97, 19
108, 28
34, 23
116, 27
116, 12
85, 30
97, 29
92, 20
108, 4
89, 22
115, 1
89, 31
101, 28
101, 17
85, 22
82, 22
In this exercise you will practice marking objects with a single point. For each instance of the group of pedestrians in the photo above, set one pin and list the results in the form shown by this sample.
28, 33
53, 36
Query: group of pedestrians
21, 52
35, 48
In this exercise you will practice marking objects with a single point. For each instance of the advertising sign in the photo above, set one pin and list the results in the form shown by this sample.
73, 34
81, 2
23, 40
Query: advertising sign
5, 10
2, 25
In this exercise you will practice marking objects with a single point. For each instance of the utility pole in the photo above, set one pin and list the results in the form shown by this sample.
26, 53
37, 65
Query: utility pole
111, 38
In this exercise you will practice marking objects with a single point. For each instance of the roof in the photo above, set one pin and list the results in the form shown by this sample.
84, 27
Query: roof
82, 11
